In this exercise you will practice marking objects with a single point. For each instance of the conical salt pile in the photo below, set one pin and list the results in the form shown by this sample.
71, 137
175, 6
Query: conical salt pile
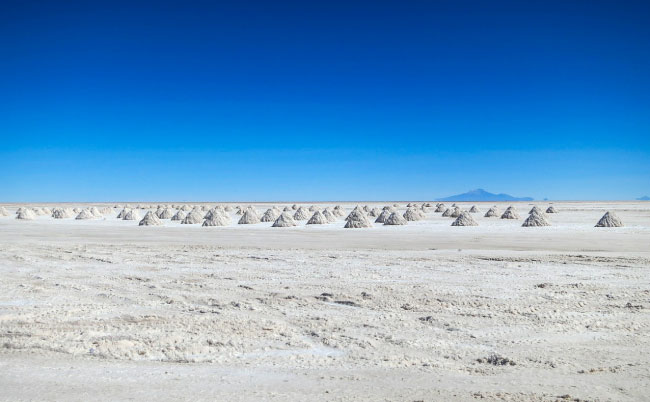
46, 211
186, 208
150, 219
285, 220
447, 213
464, 219
179, 216
535, 209
374, 212
106, 210
85, 214
301, 214
456, 213
270, 215
609, 220
357, 219
249, 217
166, 213
317, 219
383, 216
338, 211
25, 215
329, 214
536, 219
294, 207
76, 210
492, 212
551, 210
122, 214
413, 214
60, 213
474, 210
313, 208
510, 213
395, 219
3, 211
131, 215
217, 219
287, 209
96, 212
192, 218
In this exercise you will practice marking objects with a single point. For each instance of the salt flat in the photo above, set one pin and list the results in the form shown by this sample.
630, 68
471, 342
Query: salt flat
106, 309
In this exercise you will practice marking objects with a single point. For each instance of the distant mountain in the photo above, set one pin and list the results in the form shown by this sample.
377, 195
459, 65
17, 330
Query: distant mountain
482, 195
644, 198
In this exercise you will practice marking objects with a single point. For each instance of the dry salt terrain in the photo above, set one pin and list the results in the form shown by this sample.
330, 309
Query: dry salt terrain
104, 309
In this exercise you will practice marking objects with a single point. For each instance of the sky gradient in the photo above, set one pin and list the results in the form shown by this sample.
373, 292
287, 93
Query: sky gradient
381, 100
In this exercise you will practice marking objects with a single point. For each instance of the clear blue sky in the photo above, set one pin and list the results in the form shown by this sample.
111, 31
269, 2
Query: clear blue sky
309, 100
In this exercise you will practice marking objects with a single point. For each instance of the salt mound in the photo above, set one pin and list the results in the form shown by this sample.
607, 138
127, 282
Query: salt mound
150, 219
192, 218
313, 208
535, 209
456, 213
270, 215
96, 213
60, 213
25, 215
536, 219
106, 210
85, 214
317, 219
186, 208
3, 211
491, 213
383, 216
285, 220
249, 217
166, 213
447, 213
301, 214
294, 207
180, 215
395, 219
287, 209
510, 213
217, 219
551, 210
338, 211
76, 210
122, 214
464, 219
474, 210
131, 215
413, 214
46, 211
609, 220
357, 219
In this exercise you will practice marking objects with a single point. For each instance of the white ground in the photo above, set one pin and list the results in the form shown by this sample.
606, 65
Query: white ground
105, 309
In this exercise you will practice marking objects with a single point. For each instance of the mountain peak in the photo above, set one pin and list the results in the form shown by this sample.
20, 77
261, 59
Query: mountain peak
481, 195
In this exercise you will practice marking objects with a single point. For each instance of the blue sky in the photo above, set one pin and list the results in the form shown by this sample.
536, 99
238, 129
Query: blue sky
353, 100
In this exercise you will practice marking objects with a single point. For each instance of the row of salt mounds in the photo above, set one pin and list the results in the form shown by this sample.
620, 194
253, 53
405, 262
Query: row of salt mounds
249, 217
413, 214
551, 210
301, 214
25, 214
609, 220
395, 219
464, 219
357, 219
492, 213
3, 211
285, 220
150, 219
510, 213
536, 218
85, 214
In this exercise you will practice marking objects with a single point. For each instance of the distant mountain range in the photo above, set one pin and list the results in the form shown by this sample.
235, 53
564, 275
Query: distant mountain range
644, 198
482, 195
